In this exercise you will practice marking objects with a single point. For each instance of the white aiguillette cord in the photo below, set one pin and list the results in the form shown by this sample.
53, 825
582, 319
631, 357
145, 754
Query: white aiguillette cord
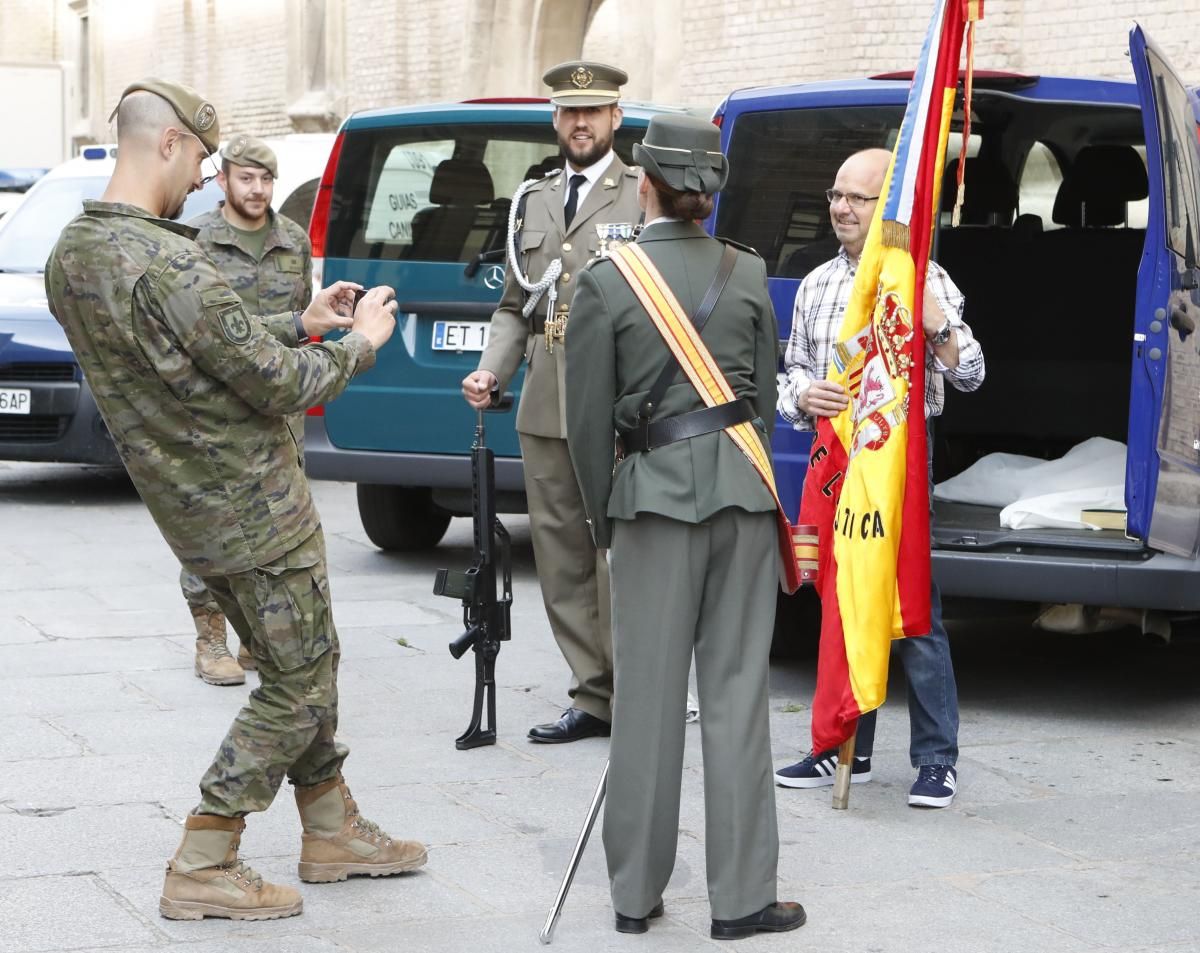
548, 285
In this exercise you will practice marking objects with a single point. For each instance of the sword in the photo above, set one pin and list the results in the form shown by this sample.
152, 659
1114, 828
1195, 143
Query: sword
547, 933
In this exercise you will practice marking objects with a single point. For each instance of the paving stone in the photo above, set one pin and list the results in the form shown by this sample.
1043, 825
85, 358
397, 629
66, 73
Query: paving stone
65, 913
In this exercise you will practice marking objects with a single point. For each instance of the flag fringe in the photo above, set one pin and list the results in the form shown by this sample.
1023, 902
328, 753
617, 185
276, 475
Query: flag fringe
895, 235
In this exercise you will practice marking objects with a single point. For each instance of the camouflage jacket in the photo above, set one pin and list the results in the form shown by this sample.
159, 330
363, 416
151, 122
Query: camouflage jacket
281, 281
192, 390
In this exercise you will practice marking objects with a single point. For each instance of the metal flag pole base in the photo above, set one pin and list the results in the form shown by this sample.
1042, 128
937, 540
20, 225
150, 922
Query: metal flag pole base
841, 777
547, 933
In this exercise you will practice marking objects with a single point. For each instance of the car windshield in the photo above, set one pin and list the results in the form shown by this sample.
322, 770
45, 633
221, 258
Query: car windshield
28, 233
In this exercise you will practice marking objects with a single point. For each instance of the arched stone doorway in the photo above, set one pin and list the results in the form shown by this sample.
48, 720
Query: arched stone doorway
519, 40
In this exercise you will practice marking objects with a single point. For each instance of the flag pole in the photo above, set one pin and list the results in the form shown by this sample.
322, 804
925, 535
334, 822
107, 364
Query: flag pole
841, 777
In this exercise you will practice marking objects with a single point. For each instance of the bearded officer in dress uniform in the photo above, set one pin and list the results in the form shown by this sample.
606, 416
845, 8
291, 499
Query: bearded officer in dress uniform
194, 391
558, 218
691, 525
267, 259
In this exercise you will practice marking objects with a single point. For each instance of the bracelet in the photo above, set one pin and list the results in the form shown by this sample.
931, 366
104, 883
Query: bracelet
301, 335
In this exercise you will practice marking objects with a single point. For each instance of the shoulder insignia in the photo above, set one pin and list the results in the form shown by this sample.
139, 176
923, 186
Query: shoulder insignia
730, 241
632, 170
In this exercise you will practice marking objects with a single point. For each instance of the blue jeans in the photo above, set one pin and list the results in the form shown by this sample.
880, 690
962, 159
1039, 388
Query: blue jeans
932, 691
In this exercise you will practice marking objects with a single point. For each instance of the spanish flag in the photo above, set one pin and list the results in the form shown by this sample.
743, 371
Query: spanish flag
867, 484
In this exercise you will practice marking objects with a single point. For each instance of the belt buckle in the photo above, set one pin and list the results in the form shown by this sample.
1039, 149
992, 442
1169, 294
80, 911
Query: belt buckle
556, 330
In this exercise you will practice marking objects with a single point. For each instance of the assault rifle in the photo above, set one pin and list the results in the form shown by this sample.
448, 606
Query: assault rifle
485, 589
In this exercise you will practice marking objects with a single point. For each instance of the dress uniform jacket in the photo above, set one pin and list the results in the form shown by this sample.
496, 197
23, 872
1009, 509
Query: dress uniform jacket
193, 390
543, 237
614, 356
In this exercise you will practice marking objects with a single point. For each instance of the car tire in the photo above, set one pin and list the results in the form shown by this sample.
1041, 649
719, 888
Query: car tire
401, 518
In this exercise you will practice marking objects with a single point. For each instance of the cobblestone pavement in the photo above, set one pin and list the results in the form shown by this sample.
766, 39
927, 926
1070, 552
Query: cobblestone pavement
1075, 829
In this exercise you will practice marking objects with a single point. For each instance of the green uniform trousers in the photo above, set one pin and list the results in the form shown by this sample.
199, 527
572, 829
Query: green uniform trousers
288, 724
678, 589
573, 574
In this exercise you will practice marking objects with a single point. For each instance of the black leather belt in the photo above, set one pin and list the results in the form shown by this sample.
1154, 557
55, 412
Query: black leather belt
657, 433
539, 323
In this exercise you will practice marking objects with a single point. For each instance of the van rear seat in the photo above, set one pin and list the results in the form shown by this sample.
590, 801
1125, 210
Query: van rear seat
1054, 313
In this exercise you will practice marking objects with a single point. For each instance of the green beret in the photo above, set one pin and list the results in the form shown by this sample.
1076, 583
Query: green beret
193, 110
684, 152
578, 83
248, 151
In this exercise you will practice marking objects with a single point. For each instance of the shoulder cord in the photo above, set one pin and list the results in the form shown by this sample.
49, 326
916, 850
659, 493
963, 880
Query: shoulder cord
548, 285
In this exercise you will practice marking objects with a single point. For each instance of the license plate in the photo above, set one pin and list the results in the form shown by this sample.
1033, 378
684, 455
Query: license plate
14, 400
460, 335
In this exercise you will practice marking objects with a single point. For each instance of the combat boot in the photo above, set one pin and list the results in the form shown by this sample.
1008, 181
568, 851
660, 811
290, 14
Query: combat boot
205, 878
214, 663
245, 659
339, 842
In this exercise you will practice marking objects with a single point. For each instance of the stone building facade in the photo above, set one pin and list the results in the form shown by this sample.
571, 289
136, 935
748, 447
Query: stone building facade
276, 66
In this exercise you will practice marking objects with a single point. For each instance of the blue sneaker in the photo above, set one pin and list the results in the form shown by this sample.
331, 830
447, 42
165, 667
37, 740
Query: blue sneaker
817, 770
935, 786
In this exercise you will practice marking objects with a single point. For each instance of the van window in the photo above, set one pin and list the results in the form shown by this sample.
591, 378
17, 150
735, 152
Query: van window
1181, 171
437, 192
780, 164
1040, 180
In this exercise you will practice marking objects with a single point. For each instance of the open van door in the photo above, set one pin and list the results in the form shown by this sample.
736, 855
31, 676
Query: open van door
1163, 474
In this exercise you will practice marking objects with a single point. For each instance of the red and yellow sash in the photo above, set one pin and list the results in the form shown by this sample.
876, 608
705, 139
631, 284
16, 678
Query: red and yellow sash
797, 549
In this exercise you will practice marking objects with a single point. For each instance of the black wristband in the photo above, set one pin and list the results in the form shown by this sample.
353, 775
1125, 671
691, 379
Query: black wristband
301, 335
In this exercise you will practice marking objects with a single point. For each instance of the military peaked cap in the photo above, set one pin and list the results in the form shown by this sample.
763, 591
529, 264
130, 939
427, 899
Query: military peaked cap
193, 110
248, 151
684, 152
578, 83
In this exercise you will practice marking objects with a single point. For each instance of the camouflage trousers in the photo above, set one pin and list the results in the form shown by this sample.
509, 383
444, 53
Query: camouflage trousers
196, 592
287, 727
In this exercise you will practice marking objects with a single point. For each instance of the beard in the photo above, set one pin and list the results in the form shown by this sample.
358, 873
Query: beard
258, 217
583, 155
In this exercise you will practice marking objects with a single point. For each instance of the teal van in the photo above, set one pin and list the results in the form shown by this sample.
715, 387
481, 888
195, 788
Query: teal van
419, 198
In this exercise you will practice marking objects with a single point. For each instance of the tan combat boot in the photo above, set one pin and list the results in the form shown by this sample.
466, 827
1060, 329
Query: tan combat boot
245, 659
339, 842
214, 663
205, 878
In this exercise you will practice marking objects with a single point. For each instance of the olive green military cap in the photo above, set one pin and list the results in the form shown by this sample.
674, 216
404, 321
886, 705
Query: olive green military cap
193, 110
684, 152
578, 83
246, 150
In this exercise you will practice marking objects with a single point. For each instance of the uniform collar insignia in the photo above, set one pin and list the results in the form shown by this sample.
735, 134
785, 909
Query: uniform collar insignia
609, 183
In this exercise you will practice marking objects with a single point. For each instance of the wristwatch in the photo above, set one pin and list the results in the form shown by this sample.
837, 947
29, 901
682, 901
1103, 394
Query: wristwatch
301, 335
942, 335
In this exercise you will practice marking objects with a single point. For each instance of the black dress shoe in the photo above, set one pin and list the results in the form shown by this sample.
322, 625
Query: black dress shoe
573, 725
638, 924
774, 918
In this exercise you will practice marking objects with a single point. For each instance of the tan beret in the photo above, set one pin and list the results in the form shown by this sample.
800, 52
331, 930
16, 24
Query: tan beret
193, 110
248, 151
580, 83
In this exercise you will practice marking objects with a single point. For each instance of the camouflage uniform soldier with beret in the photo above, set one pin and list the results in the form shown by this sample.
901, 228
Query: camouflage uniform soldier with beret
557, 234
195, 391
267, 259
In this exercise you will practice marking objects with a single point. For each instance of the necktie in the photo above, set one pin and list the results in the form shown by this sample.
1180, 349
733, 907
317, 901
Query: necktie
573, 198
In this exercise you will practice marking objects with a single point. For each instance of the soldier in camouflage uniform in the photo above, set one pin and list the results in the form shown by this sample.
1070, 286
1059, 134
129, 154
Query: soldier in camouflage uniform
267, 259
194, 392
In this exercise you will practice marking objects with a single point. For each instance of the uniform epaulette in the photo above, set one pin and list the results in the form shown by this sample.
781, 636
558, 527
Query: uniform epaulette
729, 241
587, 265
632, 171
537, 183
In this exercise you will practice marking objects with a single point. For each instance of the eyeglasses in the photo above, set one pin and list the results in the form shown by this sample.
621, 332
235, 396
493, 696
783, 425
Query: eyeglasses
207, 158
853, 199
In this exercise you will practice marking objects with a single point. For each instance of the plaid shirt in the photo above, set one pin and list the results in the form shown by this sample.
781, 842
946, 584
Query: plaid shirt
820, 302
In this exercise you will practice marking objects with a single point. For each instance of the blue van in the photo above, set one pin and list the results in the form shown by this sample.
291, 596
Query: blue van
1077, 256
418, 198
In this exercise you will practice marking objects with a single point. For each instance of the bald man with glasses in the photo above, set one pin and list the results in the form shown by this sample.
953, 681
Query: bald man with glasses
953, 354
